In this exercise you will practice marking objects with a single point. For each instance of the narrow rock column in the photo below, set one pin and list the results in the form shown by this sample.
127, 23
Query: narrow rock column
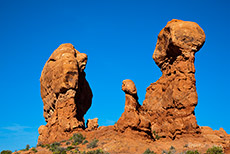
130, 117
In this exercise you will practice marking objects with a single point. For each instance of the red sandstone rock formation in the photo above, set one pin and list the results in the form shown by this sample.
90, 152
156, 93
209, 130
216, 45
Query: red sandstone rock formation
65, 93
166, 117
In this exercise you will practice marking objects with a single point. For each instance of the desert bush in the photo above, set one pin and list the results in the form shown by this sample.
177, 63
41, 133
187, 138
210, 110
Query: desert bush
215, 150
41, 145
6, 152
54, 146
63, 141
34, 150
172, 150
47, 146
27, 147
148, 151
77, 138
69, 148
98, 151
59, 150
156, 136
76, 150
192, 152
85, 142
67, 143
92, 144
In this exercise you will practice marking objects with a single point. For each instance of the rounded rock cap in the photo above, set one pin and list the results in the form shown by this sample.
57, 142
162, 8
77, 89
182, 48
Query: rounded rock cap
178, 37
129, 87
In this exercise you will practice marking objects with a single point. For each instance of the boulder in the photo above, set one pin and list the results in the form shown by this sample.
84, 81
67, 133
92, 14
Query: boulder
92, 124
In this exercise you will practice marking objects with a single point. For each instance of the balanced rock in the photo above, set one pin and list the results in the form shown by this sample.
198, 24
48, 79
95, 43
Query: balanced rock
65, 93
170, 101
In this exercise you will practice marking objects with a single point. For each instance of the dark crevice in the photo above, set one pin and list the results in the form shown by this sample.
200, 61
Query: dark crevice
147, 132
63, 90
51, 59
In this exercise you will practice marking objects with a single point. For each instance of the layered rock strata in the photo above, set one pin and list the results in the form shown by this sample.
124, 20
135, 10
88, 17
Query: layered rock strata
65, 93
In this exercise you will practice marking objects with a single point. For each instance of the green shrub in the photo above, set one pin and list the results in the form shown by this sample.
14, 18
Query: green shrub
98, 151
156, 136
34, 150
59, 150
27, 147
67, 143
76, 150
215, 150
85, 142
77, 138
148, 151
92, 144
47, 146
69, 148
54, 146
192, 152
40, 145
6, 152
172, 150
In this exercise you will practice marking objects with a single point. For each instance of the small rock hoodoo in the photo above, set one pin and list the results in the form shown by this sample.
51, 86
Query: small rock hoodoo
130, 117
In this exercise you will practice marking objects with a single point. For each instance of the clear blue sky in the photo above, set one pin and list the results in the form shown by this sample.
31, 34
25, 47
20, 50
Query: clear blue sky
119, 37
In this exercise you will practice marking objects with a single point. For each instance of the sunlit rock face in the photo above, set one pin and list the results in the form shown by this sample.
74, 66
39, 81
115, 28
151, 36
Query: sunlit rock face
65, 93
